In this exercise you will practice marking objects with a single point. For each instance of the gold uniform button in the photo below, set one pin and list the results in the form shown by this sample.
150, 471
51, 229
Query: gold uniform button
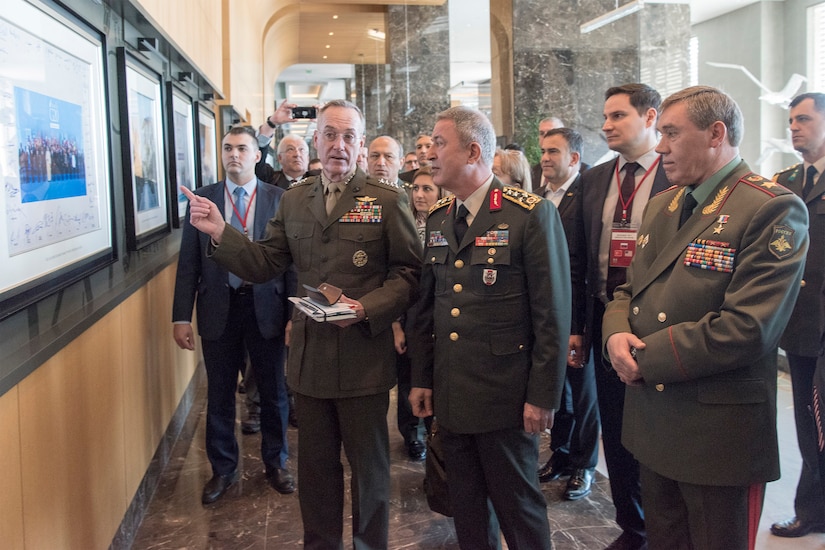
453, 336
521, 346
432, 259
491, 260
802, 283
459, 264
491, 251
457, 287
635, 310
660, 387
455, 312
662, 317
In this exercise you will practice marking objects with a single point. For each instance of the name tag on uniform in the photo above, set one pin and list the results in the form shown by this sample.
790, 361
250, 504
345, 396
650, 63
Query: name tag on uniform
622, 246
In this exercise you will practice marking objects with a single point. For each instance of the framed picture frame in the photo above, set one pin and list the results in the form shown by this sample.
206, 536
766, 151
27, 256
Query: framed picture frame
55, 153
181, 119
146, 190
207, 146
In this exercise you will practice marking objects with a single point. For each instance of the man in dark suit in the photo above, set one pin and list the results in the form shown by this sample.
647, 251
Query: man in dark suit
356, 233
422, 146
497, 301
545, 125
236, 318
801, 338
574, 438
694, 331
293, 156
610, 224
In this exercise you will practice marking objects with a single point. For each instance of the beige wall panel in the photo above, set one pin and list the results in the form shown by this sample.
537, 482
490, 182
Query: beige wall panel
195, 26
71, 426
11, 494
244, 58
156, 372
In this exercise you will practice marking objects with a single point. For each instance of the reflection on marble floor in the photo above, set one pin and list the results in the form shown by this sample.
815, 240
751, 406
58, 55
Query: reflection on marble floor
253, 516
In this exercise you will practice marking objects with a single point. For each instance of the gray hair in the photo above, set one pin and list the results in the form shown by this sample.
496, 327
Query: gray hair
472, 126
706, 105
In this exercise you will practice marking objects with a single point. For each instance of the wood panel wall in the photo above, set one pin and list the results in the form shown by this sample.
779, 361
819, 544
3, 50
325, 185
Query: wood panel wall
80, 431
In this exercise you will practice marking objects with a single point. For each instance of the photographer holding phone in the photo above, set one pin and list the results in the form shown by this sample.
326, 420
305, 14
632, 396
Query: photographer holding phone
292, 151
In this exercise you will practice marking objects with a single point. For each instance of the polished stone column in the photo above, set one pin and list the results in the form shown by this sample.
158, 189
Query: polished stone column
557, 71
419, 54
371, 94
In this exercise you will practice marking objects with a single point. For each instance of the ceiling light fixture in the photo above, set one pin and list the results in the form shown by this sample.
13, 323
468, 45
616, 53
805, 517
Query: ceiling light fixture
375, 34
611, 16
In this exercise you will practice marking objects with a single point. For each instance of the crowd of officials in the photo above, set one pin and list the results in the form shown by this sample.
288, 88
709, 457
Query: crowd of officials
642, 299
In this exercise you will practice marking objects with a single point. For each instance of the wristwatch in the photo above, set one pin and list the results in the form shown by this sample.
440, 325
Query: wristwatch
270, 123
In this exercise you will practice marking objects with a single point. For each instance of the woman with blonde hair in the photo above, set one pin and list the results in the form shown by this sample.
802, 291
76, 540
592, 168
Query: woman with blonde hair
512, 168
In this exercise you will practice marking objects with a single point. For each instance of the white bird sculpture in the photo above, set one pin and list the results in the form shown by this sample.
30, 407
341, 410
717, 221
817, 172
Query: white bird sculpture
782, 98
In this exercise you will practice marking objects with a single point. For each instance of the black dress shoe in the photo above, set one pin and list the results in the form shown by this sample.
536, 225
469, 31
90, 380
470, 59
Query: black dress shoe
417, 450
281, 480
251, 425
217, 486
628, 541
578, 486
552, 471
793, 528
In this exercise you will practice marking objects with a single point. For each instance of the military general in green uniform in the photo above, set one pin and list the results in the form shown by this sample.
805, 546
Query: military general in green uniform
356, 233
694, 331
489, 347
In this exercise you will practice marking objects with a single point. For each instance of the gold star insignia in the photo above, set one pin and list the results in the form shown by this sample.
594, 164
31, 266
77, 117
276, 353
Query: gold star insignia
718, 229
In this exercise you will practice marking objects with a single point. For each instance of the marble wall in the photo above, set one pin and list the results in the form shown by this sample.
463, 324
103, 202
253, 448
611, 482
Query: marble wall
372, 95
560, 72
419, 55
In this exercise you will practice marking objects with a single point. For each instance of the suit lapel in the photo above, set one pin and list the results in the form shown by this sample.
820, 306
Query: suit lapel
818, 189
567, 200
263, 204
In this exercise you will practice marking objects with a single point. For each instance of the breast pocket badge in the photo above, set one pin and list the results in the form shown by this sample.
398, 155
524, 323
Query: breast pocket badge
489, 276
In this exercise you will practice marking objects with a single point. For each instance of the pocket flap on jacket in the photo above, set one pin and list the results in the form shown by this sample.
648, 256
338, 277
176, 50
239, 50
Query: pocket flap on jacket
733, 392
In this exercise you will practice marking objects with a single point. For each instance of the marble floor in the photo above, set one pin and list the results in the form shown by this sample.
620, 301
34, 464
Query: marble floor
253, 516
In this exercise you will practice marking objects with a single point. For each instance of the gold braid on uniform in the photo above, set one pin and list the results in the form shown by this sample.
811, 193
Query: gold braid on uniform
442, 202
791, 168
521, 197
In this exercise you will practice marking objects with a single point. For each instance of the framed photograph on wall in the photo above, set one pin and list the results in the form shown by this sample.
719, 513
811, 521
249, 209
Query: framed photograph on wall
54, 154
181, 149
207, 146
146, 190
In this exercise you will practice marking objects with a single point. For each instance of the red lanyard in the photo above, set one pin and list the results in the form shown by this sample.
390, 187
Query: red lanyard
624, 204
235, 208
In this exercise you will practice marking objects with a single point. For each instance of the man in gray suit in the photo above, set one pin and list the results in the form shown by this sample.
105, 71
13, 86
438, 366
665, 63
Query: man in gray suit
693, 333
356, 233
236, 318
801, 338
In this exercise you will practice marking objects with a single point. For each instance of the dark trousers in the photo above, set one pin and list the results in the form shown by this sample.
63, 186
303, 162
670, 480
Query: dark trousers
809, 503
224, 359
574, 438
493, 483
360, 424
622, 467
410, 426
684, 516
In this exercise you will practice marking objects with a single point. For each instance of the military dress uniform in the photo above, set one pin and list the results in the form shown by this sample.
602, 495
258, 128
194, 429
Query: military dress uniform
492, 334
801, 344
368, 247
710, 301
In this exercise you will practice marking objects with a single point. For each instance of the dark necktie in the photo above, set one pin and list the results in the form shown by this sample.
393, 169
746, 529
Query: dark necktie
626, 191
460, 223
237, 223
617, 275
687, 208
809, 181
